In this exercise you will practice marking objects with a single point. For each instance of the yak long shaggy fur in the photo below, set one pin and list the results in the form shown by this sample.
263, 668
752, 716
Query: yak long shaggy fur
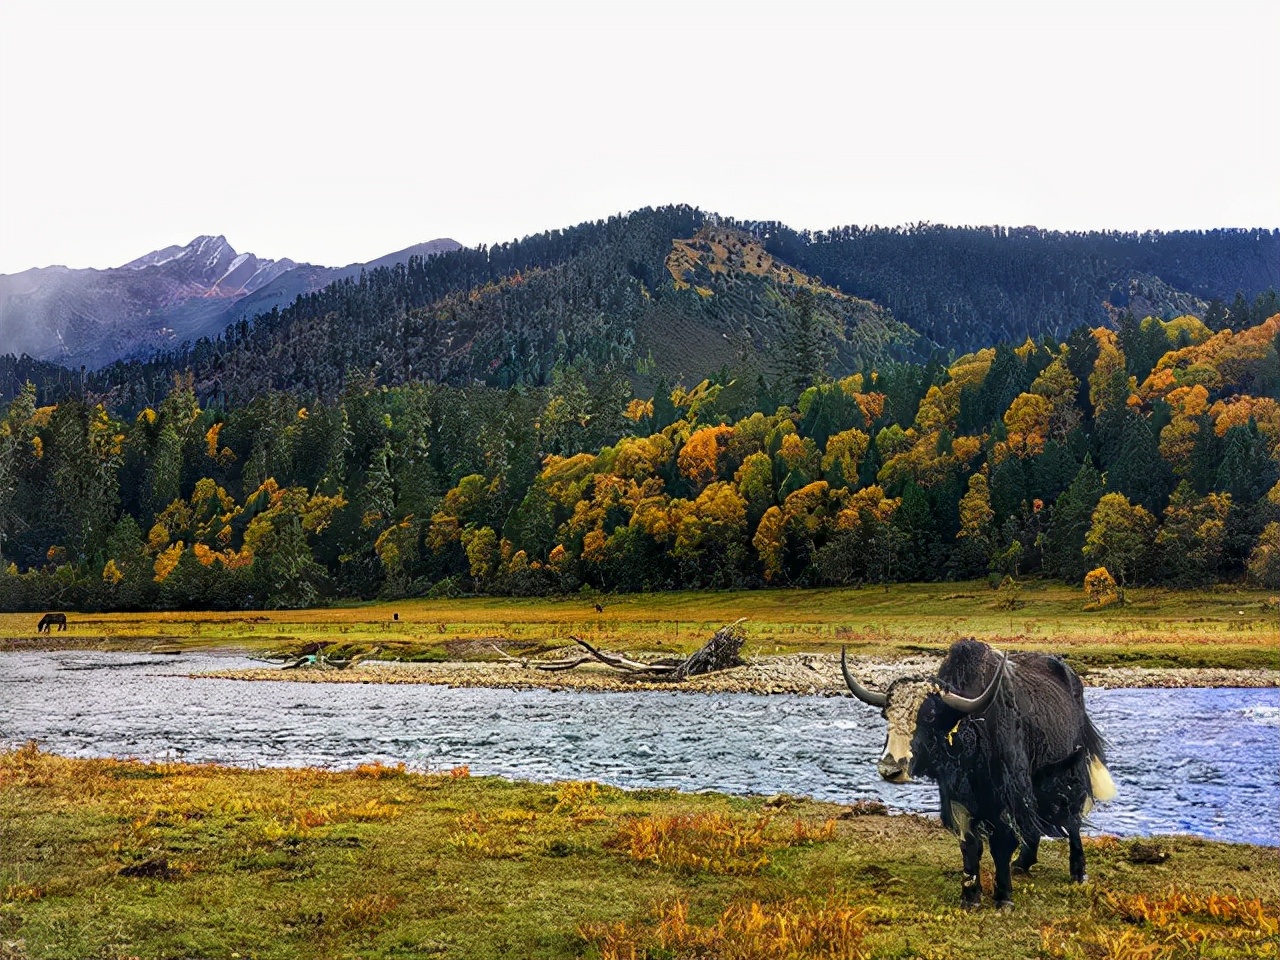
1025, 760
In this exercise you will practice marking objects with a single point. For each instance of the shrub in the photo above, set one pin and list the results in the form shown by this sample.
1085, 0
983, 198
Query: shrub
1101, 589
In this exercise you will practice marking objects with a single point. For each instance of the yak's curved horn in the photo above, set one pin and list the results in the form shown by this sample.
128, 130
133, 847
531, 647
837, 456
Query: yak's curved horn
982, 700
858, 690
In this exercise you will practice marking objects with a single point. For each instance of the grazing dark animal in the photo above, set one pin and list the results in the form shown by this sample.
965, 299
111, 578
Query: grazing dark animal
1010, 746
50, 620
599, 608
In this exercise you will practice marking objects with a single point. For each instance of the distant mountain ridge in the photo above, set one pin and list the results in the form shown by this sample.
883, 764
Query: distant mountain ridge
206, 258
93, 317
671, 294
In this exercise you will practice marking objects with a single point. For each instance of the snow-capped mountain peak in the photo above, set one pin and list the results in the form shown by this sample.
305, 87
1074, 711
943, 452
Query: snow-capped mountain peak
206, 248
160, 299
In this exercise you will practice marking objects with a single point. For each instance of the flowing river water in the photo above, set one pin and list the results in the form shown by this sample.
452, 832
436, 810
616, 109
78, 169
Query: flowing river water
1199, 761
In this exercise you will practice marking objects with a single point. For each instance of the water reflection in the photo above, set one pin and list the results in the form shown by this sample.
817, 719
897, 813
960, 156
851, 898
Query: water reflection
1186, 761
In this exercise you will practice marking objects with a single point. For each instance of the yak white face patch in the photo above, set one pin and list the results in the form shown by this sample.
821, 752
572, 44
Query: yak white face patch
905, 699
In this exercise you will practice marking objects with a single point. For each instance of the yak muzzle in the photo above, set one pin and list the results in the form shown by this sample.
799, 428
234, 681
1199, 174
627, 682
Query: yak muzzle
893, 769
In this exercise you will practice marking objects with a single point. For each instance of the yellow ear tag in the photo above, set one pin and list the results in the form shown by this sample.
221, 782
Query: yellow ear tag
952, 732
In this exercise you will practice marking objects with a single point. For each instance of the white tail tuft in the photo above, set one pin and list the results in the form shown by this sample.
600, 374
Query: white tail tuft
1104, 788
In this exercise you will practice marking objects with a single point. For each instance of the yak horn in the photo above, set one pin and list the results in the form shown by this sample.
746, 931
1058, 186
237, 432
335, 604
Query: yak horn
858, 690
980, 702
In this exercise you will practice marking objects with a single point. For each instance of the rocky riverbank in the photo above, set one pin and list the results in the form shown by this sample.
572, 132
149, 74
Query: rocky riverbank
800, 674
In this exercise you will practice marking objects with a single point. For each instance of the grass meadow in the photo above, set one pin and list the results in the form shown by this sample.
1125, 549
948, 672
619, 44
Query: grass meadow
116, 859
1222, 627
120, 859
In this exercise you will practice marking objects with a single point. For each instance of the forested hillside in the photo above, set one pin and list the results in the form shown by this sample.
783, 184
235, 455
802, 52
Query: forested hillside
602, 296
675, 295
1143, 454
967, 287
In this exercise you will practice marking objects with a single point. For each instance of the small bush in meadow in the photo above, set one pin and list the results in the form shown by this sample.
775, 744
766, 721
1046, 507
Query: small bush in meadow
1101, 589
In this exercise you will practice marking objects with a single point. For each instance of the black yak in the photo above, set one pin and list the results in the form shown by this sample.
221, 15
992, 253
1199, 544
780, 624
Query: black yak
1010, 746
51, 620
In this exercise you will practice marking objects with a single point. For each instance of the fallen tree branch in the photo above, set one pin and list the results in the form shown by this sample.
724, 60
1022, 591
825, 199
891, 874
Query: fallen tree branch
721, 652
619, 662
506, 656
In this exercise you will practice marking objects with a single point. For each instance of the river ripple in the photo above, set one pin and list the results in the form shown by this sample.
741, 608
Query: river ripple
1196, 761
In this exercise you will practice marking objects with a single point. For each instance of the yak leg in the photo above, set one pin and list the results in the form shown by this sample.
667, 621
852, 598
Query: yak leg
1003, 842
1077, 854
1028, 856
971, 887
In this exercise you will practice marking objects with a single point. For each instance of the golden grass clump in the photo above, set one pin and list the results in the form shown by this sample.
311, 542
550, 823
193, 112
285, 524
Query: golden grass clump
1166, 909
500, 835
368, 911
29, 766
21, 893
1104, 841
1058, 941
294, 820
1174, 923
379, 771
580, 801
712, 842
745, 931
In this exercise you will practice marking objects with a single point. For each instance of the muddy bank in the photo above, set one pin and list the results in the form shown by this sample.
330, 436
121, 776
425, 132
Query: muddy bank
802, 674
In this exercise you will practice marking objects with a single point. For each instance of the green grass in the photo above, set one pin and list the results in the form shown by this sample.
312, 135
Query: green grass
1220, 627
120, 859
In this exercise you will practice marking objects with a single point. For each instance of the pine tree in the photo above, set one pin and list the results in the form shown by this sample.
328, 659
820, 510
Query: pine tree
1008, 489
1138, 471
922, 554
1062, 543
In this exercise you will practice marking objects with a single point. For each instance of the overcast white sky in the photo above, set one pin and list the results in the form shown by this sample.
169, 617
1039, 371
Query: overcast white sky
336, 133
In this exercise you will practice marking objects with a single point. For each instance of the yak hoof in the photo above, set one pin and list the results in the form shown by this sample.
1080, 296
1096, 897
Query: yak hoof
1022, 868
970, 904
1083, 878
1004, 906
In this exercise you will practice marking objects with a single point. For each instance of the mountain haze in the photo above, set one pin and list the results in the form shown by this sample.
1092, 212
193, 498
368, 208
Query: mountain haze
92, 317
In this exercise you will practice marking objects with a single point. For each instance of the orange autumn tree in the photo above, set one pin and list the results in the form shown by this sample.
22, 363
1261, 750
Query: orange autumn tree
700, 457
712, 530
1178, 438
1027, 423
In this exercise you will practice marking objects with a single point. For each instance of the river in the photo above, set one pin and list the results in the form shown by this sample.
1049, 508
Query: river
1199, 761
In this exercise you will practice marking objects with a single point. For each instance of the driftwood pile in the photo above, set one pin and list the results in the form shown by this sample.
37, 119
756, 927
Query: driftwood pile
313, 657
719, 653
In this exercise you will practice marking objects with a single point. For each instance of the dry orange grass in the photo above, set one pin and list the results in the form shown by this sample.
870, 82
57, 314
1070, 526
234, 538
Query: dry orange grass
1175, 923
728, 252
745, 931
714, 842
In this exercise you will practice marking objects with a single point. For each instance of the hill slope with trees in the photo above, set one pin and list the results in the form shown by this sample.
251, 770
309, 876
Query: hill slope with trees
968, 287
738, 301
